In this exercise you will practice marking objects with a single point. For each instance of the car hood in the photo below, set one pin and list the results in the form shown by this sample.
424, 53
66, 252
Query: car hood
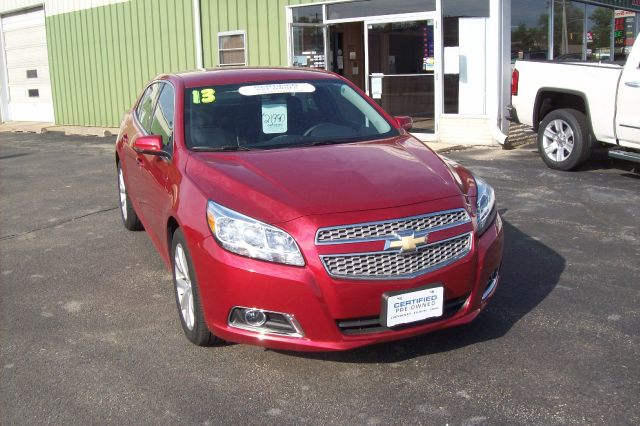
283, 184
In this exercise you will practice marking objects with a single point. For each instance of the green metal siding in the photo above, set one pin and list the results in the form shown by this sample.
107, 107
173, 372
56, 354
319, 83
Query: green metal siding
100, 58
263, 20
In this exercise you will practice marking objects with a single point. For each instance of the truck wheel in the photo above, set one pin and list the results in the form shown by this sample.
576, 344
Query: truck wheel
564, 139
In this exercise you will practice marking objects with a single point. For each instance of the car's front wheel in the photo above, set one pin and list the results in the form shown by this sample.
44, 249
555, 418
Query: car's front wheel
564, 139
188, 295
129, 217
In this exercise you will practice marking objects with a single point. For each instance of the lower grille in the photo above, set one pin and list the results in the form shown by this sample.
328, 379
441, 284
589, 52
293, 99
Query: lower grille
391, 265
373, 325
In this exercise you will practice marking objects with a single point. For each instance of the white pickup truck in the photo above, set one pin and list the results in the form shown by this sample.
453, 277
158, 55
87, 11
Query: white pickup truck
573, 106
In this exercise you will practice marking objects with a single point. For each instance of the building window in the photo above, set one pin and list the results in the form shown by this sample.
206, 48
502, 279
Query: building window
32, 73
363, 8
571, 31
599, 33
626, 26
34, 93
231, 48
530, 29
568, 30
307, 15
308, 37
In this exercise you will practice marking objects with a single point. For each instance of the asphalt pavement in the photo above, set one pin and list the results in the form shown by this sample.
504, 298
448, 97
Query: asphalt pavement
89, 330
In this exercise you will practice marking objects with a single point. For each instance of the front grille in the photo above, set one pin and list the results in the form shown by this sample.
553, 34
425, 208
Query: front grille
373, 324
390, 265
380, 230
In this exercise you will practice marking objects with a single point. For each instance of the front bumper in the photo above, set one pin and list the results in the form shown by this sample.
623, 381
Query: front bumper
319, 303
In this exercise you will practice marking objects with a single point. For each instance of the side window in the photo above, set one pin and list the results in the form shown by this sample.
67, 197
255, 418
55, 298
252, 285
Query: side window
145, 107
162, 122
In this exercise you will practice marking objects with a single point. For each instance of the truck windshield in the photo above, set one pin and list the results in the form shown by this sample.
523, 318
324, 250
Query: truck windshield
276, 115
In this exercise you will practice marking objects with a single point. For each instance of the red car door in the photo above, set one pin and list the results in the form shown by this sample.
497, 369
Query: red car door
136, 123
154, 180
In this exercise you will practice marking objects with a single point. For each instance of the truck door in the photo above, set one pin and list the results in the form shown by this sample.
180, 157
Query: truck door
628, 104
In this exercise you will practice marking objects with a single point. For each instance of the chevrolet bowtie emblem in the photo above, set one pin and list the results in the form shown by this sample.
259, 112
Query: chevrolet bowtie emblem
406, 241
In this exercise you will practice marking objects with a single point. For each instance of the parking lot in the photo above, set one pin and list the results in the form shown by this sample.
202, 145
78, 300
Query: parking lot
90, 332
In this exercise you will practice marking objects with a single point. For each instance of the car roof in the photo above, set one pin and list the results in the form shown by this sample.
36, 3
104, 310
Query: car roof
239, 75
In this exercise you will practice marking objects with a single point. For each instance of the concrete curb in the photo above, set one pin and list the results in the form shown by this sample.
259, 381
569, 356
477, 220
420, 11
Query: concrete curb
39, 128
82, 131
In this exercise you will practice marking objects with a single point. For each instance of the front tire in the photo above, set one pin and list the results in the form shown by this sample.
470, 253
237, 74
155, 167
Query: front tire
187, 294
129, 217
564, 139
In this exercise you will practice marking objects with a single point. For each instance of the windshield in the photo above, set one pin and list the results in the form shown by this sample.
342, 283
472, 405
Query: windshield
267, 116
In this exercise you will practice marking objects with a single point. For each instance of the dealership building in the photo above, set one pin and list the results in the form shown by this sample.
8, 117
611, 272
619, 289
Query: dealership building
445, 63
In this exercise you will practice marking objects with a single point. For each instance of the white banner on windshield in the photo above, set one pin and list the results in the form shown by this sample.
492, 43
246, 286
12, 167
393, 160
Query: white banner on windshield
270, 89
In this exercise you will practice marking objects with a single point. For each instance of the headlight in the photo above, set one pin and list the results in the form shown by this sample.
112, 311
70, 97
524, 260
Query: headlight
249, 237
486, 205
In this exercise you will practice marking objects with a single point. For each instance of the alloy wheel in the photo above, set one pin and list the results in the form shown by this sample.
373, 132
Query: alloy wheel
184, 286
123, 193
558, 140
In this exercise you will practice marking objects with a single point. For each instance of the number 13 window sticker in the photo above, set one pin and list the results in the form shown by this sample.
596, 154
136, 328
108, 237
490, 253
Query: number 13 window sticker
204, 96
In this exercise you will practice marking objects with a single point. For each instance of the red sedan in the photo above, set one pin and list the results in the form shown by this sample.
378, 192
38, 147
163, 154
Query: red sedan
296, 214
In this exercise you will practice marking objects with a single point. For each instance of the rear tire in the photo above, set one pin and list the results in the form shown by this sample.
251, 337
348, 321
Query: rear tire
128, 214
187, 294
564, 139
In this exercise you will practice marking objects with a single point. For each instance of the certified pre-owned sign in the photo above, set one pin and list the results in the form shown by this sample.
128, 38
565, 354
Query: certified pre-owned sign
403, 307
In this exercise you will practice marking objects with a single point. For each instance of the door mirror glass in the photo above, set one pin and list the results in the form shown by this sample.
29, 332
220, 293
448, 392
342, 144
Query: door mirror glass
151, 144
405, 122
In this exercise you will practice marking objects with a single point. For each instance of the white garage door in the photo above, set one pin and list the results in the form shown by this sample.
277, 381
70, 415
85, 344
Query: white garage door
25, 44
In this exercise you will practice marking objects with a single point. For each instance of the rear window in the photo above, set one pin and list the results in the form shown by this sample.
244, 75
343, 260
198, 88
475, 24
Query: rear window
266, 116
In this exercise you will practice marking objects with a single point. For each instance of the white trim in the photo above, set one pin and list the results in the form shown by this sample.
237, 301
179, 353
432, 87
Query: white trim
495, 104
58, 7
398, 17
243, 33
288, 21
4, 75
197, 25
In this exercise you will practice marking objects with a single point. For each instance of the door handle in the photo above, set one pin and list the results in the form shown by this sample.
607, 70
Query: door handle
635, 84
139, 160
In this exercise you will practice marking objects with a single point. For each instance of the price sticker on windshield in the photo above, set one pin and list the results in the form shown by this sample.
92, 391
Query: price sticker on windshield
203, 96
274, 117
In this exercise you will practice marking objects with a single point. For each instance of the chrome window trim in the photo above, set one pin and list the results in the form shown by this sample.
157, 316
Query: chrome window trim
411, 275
382, 222
138, 123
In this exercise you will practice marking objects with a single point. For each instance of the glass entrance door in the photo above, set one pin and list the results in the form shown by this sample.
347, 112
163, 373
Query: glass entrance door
402, 56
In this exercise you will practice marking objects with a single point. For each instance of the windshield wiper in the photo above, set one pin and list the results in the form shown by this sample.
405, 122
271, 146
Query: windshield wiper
330, 142
220, 148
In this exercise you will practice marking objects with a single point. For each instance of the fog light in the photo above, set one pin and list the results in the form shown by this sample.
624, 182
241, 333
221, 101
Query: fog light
254, 317
264, 322
491, 285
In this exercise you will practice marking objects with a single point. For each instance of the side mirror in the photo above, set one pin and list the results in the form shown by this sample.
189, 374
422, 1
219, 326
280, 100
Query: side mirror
405, 122
151, 145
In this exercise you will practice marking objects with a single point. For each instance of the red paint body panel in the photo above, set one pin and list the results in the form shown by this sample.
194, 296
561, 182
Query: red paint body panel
301, 190
283, 184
